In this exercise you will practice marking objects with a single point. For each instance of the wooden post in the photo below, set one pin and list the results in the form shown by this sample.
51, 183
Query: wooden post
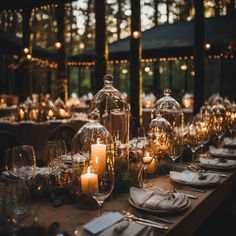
186, 78
170, 74
135, 66
156, 79
101, 53
62, 87
199, 55
156, 65
24, 73
79, 81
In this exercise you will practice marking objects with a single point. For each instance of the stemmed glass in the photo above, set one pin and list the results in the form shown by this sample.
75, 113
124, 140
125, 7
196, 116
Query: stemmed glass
219, 124
175, 146
56, 153
203, 124
100, 184
23, 161
192, 140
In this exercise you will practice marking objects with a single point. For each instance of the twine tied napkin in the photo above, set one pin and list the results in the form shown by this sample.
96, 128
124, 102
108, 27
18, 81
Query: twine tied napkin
222, 152
229, 142
158, 199
217, 162
190, 177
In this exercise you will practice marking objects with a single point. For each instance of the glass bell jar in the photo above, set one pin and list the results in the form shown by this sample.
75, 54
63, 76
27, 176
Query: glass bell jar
92, 155
159, 133
169, 109
110, 108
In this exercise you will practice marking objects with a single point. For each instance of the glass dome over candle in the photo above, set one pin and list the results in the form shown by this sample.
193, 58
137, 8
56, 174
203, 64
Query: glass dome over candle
92, 147
110, 108
169, 109
219, 124
159, 132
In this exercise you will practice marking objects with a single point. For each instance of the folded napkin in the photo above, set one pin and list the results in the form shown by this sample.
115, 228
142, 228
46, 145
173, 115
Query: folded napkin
190, 177
158, 199
222, 152
217, 162
229, 142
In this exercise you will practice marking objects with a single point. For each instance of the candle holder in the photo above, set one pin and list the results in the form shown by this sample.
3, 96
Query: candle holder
92, 161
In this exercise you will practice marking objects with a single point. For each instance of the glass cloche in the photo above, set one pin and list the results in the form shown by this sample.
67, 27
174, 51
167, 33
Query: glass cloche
91, 153
169, 109
110, 108
159, 132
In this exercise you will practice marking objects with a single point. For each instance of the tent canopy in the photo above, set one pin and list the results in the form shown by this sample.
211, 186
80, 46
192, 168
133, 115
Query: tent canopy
173, 40
10, 44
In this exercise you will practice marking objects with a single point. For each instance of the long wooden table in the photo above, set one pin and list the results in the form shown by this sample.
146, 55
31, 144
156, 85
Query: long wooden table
185, 223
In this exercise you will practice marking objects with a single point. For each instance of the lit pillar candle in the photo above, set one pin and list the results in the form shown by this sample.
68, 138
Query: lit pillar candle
98, 158
151, 169
89, 182
147, 158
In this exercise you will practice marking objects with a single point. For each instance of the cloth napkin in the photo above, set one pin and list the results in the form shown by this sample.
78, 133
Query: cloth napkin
190, 177
217, 163
222, 152
158, 199
229, 142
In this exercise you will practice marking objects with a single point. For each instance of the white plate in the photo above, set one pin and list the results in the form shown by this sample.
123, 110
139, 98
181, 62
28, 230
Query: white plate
196, 184
161, 210
217, 167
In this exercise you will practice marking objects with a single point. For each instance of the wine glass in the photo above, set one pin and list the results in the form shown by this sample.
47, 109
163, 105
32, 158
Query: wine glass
56, 152
175, 146
219, 124
146, 159
100, 184
23, 161
203, 124
192, 140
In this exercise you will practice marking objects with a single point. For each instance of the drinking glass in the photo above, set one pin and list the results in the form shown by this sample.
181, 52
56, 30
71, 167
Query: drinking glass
203, 126
56, 153
101, 184
23, 161
193, 141
175, 148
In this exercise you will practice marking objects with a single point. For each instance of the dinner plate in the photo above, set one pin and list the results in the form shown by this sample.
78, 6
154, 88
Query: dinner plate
217, 167
160, 210
195, 184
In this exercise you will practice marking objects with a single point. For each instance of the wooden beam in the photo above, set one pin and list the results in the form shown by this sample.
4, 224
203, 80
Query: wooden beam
199, 35
62, 76
24, 74
135, 66
101, 51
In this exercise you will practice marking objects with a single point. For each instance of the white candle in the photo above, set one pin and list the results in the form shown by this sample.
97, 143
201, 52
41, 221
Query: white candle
89, 182
147, 158
98, 158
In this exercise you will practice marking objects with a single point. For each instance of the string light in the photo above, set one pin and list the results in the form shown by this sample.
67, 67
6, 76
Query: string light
57, 45
183, 67
207, 46
151, 60
26, 50
136, 34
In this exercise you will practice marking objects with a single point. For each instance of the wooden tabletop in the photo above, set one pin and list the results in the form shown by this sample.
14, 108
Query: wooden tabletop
187, 222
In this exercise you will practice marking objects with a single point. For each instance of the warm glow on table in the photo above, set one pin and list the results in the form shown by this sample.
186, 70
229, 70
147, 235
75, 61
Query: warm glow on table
89, 182
98, 158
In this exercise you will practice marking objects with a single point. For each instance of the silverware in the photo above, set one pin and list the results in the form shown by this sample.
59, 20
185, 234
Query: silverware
153, 225
189, 188
216, 172
188, 195
149, 217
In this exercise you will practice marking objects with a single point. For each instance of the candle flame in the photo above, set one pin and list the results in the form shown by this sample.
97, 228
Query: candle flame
96, 160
